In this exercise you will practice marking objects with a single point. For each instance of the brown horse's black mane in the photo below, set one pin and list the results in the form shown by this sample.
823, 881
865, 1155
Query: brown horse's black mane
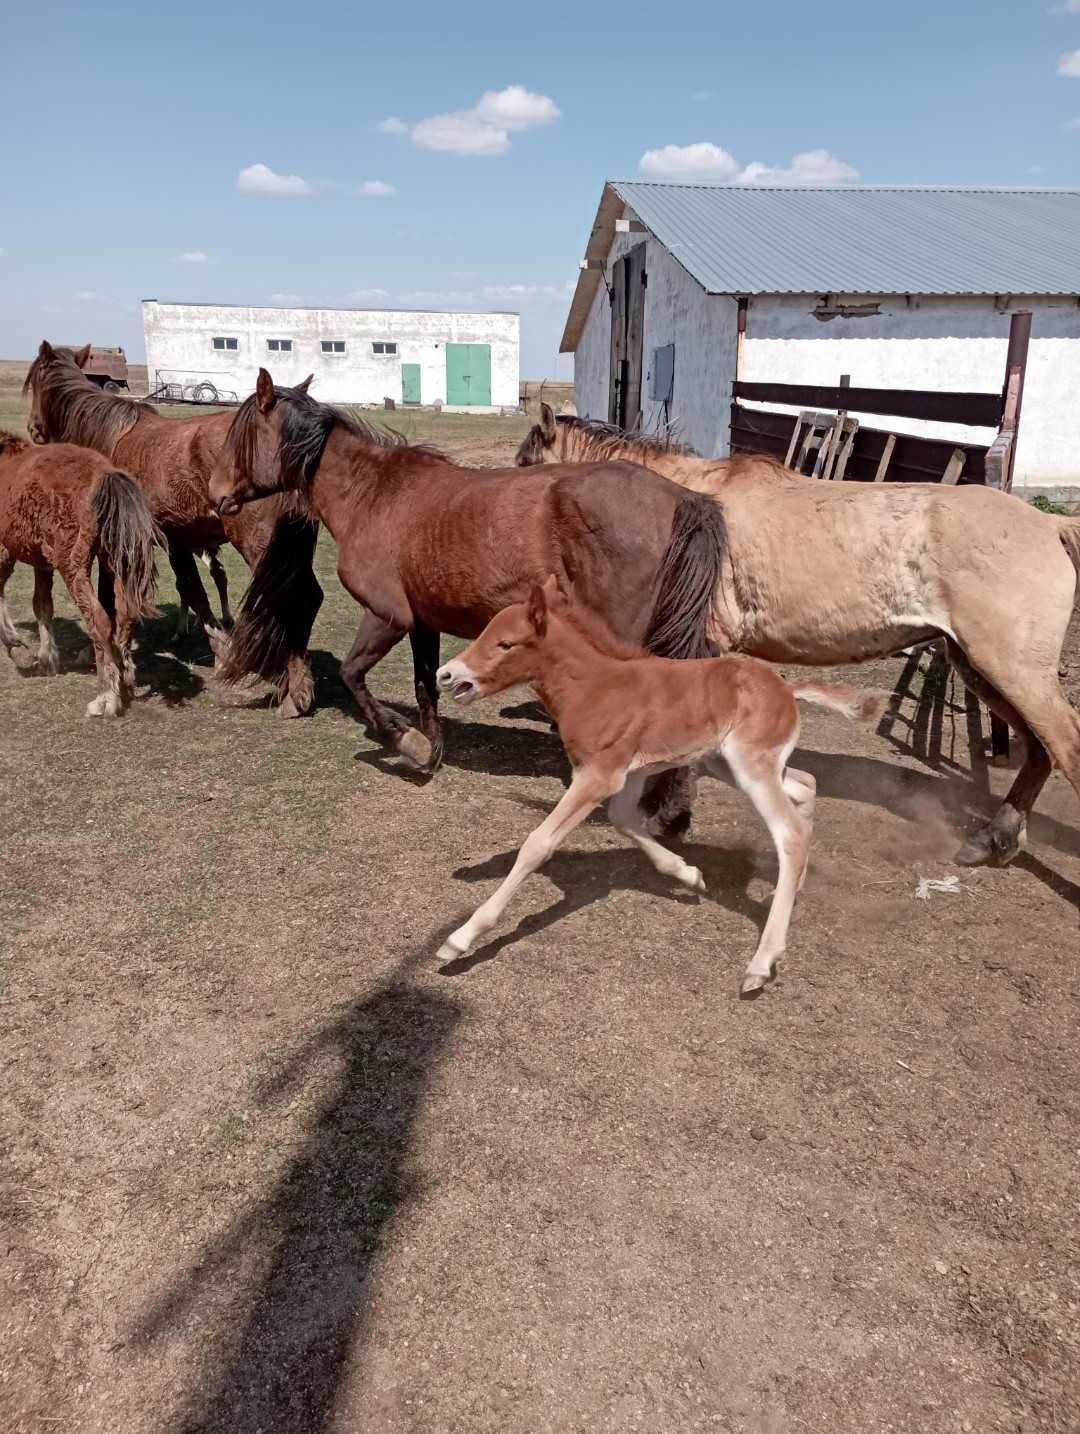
11, 442
306, 426
75, 409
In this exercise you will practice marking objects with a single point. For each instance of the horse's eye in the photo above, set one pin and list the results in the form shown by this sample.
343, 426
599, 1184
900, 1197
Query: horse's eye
506, 646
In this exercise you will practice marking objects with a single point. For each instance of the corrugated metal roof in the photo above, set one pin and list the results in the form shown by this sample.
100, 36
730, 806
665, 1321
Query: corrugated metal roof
752, 239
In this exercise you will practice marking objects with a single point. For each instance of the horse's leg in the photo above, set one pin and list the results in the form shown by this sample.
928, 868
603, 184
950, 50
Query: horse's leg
585, 793
221, 582
760, 775
374, 639
1002, 838
425, 651
110, 665
9, 633
666, 802
624, 813
193, 595
123, 623
296, 691
48, 657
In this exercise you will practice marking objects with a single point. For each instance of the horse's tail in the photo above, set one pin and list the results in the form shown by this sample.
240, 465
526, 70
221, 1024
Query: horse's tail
127, 537
857, 704
279, 608
1069, 533
690, 574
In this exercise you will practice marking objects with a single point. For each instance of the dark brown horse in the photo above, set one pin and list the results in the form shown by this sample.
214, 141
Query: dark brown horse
428, 547
171, 458
60, 508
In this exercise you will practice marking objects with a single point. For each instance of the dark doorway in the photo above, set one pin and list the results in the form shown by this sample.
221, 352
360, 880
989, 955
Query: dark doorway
627, 338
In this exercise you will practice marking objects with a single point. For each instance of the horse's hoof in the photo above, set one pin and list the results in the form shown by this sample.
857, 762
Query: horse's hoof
50, 666
288, 708
751, 985
988, 844
692, 879
416, 747
449, 952
105, 704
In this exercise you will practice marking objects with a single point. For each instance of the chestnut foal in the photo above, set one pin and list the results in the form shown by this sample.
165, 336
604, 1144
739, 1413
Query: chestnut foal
624, 715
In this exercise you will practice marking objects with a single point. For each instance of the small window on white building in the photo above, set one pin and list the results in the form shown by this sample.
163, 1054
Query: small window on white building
333, 346
279, 346
383, 348
229, 344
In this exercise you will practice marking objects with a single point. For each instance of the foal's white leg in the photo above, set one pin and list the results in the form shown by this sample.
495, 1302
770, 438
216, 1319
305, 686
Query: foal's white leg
585, 793
801, 787
760, 777
624, 813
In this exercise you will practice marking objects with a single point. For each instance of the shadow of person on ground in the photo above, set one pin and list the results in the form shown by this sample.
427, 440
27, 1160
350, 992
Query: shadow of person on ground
288, 1289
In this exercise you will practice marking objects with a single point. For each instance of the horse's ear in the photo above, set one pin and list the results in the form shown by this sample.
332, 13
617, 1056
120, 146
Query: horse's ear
265, 396
547, 425
553, 590
305, 385
82, 356
537, 610
46, 351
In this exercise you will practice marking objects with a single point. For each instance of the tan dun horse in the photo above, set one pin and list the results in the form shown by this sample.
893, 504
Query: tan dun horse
624, 715
171, 458
60, 508
824, 573
428, 547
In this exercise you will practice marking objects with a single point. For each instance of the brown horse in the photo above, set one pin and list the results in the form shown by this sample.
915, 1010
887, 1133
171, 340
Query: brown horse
171, 458
825, 573
60, 508
624, 714
428, 547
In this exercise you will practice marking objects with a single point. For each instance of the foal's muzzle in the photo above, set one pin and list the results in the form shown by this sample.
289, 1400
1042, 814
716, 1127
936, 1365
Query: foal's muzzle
457, 681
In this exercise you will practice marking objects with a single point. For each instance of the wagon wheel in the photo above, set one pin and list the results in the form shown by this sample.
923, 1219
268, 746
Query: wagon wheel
110, 387
205, 393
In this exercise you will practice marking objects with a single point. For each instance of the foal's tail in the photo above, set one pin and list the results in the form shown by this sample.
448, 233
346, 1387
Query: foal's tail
279, 608
690, 574
858, 704
127, 537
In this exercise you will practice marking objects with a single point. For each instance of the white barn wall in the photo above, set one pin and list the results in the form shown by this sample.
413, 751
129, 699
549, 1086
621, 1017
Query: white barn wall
703, 329
179, 349
947, 342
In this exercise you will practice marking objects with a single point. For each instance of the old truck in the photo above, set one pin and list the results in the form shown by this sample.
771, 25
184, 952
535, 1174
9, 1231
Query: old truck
107, 368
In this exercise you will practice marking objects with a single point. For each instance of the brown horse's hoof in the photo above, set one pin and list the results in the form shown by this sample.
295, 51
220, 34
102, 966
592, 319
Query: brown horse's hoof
288, 708
414, 746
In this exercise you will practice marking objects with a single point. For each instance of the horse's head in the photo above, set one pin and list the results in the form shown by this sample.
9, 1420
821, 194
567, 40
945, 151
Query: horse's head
270, 446
540, 444
506, 652
51, 366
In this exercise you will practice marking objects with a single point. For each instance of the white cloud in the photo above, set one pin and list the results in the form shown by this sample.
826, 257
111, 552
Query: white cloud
87, 296
689, 161
700, 96
1071, 7
261, 179
376, 189
193, 256
285, 300
1069, 65
483, 130
705, 162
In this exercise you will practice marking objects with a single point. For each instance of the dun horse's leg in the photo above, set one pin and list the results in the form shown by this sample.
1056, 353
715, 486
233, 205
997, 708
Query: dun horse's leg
1002, 838
48, 657
759, 776
9, 633
624, 813
193, 595
585, 793
374, 639
425, 651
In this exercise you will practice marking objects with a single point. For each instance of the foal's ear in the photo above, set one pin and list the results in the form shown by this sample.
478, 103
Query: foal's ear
553, 590
305, 385
82, 356
537, 610
547, 424
265, 397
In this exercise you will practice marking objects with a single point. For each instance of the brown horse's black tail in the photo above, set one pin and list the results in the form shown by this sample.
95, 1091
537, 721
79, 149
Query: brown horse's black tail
127, 537
280, 606
690, 575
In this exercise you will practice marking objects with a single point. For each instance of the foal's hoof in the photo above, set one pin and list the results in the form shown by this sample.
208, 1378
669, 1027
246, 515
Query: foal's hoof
751, 985
105, 704
692, 879
416, 747
448, 951
992, 845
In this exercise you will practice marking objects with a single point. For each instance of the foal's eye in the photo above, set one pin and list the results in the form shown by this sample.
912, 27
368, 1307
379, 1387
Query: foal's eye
506, 646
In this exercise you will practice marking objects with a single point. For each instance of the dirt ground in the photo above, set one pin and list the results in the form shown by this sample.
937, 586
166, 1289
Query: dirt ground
267, 1170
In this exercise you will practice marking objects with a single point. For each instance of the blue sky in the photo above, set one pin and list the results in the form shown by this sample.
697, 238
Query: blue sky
220, 152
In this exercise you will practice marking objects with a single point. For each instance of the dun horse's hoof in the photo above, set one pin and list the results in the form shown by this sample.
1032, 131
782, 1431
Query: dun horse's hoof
416, 747
751, 985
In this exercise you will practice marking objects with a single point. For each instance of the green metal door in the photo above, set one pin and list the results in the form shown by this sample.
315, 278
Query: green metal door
410, 383
468, 375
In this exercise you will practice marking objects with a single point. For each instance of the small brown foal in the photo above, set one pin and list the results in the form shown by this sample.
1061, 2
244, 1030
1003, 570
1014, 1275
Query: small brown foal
624, 715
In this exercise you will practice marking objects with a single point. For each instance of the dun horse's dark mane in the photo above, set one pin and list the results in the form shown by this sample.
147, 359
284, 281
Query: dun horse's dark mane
306, 427
75, 409
11, 442
604, 440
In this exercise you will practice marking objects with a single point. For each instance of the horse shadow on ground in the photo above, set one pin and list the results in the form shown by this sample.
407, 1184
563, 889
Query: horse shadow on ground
306, 1254
158, 666
585, 878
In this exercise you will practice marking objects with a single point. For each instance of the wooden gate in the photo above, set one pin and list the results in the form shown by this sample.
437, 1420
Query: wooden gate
629, 281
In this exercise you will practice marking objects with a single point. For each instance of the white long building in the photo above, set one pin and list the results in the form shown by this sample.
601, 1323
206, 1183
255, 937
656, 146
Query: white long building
687, 288
466, 362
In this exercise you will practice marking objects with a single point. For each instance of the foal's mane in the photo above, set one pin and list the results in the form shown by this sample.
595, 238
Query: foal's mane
604, 441
11, 442
77, 410
306, 427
